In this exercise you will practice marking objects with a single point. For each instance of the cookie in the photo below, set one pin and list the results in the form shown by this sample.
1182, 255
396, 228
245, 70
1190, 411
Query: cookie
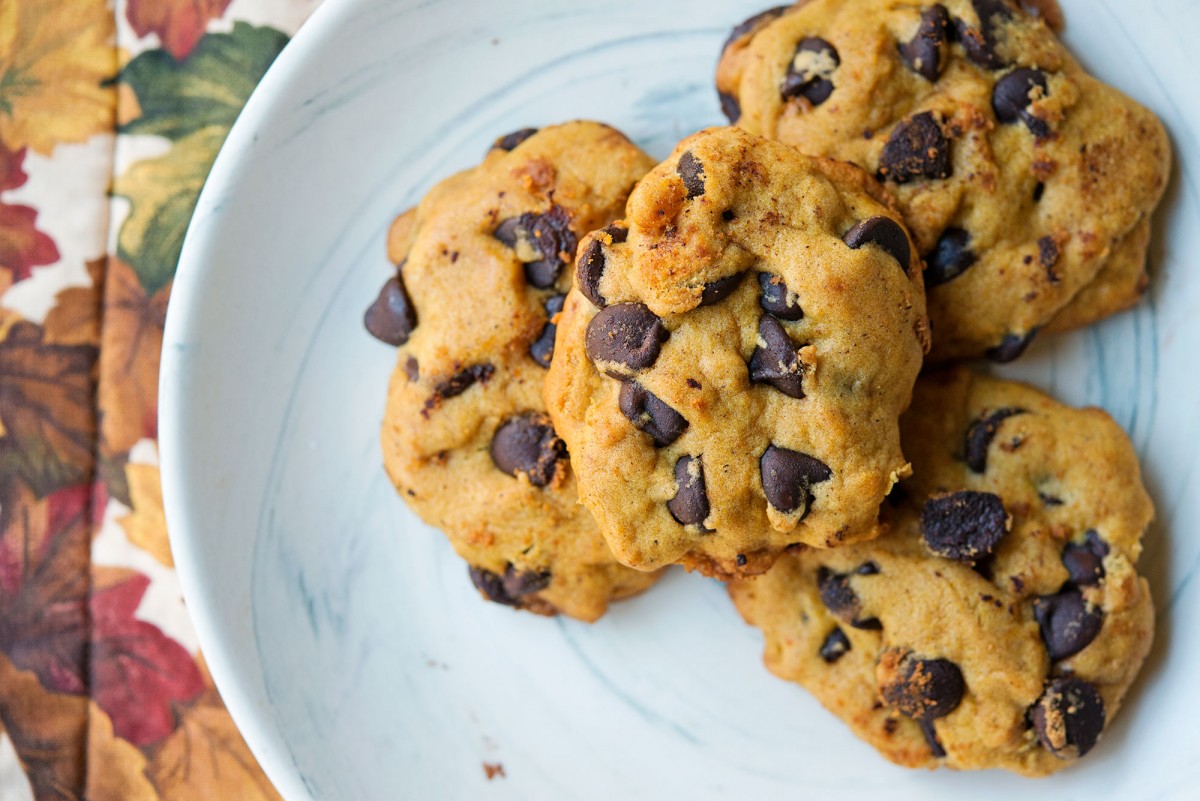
732, 362
1001, 620
483, 265
1023, 180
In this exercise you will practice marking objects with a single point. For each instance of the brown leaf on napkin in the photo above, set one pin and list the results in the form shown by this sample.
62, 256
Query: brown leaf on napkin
75, 317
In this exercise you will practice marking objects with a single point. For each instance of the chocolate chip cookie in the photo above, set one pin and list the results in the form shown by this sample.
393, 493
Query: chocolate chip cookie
1026, 183
732, 362
483, 265
1001, 620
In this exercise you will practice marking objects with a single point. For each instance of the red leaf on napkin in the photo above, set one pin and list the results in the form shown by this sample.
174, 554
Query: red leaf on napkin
178, 23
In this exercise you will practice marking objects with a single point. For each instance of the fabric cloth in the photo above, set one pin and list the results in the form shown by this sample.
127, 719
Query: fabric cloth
110, 118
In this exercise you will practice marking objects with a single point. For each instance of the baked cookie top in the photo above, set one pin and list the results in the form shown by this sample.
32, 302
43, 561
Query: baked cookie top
484, 261
733, 359
1019, 175
1001, 620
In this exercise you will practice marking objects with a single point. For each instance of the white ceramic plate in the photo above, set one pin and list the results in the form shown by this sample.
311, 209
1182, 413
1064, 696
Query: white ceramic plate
345, 636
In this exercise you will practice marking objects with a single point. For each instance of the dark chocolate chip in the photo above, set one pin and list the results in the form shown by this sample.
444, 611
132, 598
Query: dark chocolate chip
921, 689
1012, 346
717, 291
776, 361
510, 141
777, 299
590, 267
839, 598
951, 257
646, 411
510, 588
1068, 624
788, 477
835, 646
980, 434
730, 107
392, 317
980, 43
884, 232
1049, 500
527, 444
491, 585
812, 76
625, 338
753, 24
867, 569
542, 349
690, 505
541, 241
692, 172
412, 369
926, 53
1069, 717
966, 526
741, 560
931, 738
916, 149
1084, 561
457, 384
518, 583
1039, 189
1015, 93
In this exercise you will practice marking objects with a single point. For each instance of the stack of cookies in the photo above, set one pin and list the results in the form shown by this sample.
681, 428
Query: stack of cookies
738, 361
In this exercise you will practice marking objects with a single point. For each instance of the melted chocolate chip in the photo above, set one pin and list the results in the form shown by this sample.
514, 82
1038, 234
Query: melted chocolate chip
1068, 624
590, 267
650, 414
916, 149
690, 505
884, 232
1012, 346
835, 646
1084, 561
980, 43
542, 349
392, 317
951, 257
752, 24
965, 526
1015, 93
839, 598
730, 107
510, 141
1069, 717
980, 434
717, 291
777, 299
510, 588
788, 477
926, 53
527, 445
692, 172
544, 242
810, 74
921, 689
776, 360
457, 384
625, 338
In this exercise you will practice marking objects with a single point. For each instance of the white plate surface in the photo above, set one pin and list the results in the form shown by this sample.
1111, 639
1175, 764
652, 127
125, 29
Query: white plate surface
344, 634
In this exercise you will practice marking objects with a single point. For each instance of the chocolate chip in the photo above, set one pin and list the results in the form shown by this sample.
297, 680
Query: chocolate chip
510, 588
777, 299
835, 646
730, 107
1068, 625
690, 505
931, 738
625, 338
980, 43
788, 477
950, 258
867, 569
692, 172
650, 414
518, 583
1015, 93
916, 149
1012, 346
753, 24
392, 317
540, 241
775, 359
921, 689
980, 434
884, 232
717, 291
741, 560
966, 526
1069, 717
1048, 257
1084, 561
1039, 189
810, 74
839, 598
542, 349
526, 444
510, 141
590, 267
1049, 500
412, 369
457, 384
926, 53
491, 585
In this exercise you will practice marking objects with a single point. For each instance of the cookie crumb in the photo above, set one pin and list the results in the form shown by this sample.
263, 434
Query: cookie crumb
493, 769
